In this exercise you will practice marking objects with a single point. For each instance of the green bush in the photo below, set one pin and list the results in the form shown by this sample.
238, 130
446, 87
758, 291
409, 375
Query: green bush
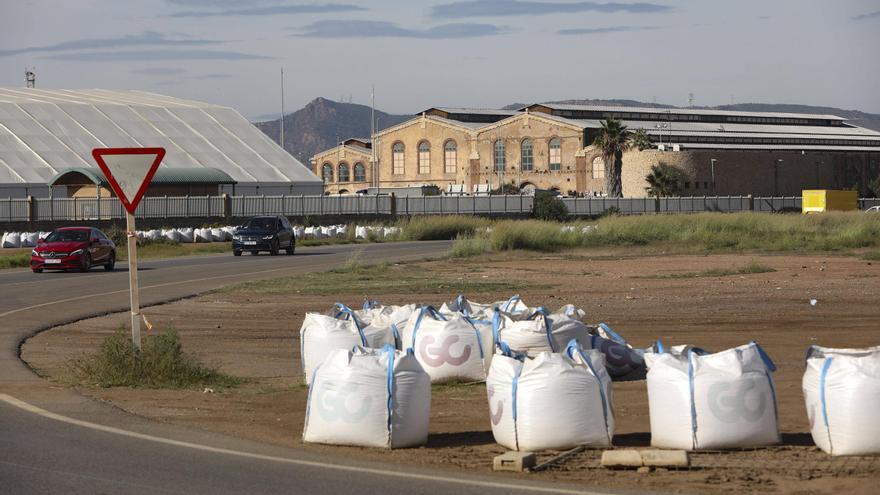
549, 207
440, 227
19, 260
469, 246
160, 363
531, 235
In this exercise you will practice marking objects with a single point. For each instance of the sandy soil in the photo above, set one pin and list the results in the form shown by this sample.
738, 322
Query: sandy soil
256, 336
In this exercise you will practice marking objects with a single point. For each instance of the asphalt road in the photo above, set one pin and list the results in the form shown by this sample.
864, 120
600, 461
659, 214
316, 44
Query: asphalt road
53, 440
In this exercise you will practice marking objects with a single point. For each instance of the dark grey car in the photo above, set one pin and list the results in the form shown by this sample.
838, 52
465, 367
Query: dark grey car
264, 233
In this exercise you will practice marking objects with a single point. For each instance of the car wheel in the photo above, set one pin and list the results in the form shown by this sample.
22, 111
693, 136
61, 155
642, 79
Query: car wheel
111, 263
274, 249
292, 247
236, 252
86, 263
38, 270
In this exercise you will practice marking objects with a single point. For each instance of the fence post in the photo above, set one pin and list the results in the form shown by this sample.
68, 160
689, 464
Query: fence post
393, 204
751, 203
227, 207
31, 209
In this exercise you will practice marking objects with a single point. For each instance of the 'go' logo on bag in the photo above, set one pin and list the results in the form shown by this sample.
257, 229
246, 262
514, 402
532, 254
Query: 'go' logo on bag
333, 404
496, 416
436, 356
732, 404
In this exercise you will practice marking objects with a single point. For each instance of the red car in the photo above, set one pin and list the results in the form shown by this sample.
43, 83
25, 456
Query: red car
73, 248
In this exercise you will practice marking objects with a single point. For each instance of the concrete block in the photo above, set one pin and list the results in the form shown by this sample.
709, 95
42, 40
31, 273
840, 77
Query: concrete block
514, 461
665, 458
621, 459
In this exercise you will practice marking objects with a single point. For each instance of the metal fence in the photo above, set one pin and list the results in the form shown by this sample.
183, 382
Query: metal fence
77, 209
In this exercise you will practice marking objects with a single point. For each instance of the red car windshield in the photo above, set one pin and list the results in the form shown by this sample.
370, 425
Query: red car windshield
68, 236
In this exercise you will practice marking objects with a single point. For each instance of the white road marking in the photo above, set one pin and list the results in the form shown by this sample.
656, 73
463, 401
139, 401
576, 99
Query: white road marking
314, 464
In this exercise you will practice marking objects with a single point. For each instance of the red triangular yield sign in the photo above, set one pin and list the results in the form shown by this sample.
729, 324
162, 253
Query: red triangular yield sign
129, 171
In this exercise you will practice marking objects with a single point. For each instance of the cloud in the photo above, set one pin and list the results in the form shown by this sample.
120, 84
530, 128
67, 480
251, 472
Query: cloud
867, 16
494, 8
158, 71
604, 30
212, 76
150, 55
272, 10
147, 38
382, 29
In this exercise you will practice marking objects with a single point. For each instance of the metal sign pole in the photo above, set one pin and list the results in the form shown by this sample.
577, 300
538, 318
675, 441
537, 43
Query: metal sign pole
133, 281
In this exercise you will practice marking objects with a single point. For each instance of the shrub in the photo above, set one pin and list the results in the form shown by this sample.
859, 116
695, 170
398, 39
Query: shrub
469, 246
549, 207
441, 227
532, 235
161, 363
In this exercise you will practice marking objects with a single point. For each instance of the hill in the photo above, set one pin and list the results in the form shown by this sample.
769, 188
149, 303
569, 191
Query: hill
322, 123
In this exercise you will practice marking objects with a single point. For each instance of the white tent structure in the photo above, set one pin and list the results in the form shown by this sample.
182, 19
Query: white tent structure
43, 132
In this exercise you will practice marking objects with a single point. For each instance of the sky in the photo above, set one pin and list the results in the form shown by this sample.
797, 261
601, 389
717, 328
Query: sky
475, 53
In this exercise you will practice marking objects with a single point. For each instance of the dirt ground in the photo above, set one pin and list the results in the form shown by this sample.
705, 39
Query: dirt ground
643, 297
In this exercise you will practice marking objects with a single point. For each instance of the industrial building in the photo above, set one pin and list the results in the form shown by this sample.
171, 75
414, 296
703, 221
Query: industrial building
549, 146
47, 136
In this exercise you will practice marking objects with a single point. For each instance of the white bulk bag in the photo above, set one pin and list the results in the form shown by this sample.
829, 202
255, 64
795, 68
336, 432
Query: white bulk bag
389, 232
842, 393
203, 235
620, 358
29, 239
513, 307
299, 232
186, 235
392, 319
553, 401
328, 231
322, 334
228, 232
154, 235
217, 235
571, 311
360, 232
172, 235
448, 347
12, 240
712, 401
539, 332
341, 230
369, 398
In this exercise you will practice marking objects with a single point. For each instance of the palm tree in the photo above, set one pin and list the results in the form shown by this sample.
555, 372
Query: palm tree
663, 180
613, 139
640, 140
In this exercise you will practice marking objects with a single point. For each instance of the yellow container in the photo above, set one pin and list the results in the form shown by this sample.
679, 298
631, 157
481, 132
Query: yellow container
817, 201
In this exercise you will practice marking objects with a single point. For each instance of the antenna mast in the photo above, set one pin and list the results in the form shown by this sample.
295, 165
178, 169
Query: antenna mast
281, 140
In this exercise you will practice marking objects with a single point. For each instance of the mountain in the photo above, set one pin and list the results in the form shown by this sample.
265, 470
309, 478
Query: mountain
322, 124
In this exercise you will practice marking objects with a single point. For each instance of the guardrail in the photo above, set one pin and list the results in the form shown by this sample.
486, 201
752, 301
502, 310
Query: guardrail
225, 207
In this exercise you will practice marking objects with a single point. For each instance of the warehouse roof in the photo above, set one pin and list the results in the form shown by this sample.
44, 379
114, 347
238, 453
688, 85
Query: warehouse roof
681, 111
163, 175
43, 132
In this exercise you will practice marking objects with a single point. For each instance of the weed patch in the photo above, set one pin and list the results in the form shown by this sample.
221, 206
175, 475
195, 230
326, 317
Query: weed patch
161, 363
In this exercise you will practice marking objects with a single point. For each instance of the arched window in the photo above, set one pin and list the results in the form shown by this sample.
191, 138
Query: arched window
360, 172
327, 173
450, 156
598, 168
499, 155
397, 158
555, 154
526, 155
424, 158
343, 173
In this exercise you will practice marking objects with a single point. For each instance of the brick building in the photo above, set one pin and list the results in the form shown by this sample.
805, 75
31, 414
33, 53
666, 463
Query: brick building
549, 146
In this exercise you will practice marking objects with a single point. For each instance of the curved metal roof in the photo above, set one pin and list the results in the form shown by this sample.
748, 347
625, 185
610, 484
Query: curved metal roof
162, 176
45, 131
